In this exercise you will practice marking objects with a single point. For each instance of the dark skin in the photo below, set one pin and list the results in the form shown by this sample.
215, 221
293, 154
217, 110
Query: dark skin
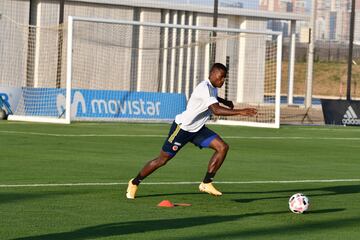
217, 79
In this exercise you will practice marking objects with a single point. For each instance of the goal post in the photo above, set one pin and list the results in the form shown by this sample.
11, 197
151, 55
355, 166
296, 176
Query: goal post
173, 59
29, 74
119, 70
274, 122
39, 102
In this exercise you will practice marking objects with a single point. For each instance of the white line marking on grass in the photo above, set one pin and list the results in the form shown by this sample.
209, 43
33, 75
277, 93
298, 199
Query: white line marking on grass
163, 136
82, 135
175, 183
291, 138
335, 128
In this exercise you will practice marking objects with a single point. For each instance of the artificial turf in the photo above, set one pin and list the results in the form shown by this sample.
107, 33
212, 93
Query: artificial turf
254, 181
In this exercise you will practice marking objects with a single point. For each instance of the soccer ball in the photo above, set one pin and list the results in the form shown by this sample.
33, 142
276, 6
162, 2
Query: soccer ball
298, 203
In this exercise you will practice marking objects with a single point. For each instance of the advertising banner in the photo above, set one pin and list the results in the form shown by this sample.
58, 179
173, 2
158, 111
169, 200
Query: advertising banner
97, 104
124, 104
9, 97
341, 112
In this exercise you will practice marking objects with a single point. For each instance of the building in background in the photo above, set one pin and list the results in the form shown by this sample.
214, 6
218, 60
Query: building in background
333, 20
232, 4
295, 6
286, 6
300, 6
357, 21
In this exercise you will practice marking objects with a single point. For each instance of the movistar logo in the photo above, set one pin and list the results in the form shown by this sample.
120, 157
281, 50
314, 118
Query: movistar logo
78, 99
350, 117
102, 107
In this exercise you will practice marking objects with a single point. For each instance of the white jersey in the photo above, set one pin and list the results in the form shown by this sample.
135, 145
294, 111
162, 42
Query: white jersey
197, 110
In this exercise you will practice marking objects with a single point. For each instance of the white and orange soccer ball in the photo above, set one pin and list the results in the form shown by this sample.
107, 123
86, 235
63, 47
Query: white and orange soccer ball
298, 203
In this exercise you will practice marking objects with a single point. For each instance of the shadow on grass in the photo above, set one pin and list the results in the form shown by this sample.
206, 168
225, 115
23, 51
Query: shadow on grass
124, 228
14, 197
336, 190
302, 231
169, 194
10, 197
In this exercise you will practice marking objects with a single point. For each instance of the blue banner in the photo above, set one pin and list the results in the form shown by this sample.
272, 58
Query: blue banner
100, 104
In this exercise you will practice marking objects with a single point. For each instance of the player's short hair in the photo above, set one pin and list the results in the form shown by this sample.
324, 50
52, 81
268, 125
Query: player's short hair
219, 66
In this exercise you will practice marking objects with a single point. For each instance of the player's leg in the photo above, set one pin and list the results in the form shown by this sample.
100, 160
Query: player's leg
149, 168
152, 165
221, 148
209, 139
177, 138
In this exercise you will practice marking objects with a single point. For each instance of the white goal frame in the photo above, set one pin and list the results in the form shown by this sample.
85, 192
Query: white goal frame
67, 119
71, 19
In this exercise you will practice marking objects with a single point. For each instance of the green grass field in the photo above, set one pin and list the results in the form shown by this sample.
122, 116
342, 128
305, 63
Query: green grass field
38, 160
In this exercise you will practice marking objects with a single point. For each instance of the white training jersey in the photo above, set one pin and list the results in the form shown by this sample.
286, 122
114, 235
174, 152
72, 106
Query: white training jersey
197, 110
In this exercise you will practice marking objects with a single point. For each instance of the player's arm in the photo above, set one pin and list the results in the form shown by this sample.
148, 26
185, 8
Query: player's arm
226, 102
223, 111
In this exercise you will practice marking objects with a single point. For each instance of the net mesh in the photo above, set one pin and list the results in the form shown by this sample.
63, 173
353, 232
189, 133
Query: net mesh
136, 58
34, 59
174, 60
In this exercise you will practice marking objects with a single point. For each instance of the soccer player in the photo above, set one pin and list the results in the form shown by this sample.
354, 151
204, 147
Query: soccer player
189, 126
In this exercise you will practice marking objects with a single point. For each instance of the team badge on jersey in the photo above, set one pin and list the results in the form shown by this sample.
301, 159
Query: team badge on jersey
175, 148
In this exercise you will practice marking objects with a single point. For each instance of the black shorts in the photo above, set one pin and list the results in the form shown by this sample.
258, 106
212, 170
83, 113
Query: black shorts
177, 138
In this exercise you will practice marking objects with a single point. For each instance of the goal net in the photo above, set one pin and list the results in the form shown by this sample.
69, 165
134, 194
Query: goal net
112, 70
33, 73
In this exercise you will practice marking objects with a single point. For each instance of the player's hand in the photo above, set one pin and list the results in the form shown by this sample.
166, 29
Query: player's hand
249, 111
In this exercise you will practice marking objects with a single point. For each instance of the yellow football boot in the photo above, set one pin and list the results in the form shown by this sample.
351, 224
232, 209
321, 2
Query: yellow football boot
209, 188
131, 190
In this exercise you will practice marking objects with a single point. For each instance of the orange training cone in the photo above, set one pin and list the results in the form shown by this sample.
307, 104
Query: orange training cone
166, 203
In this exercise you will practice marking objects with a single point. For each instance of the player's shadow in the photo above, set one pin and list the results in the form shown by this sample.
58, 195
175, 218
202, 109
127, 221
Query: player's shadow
124, 228
333, 190
14, 197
